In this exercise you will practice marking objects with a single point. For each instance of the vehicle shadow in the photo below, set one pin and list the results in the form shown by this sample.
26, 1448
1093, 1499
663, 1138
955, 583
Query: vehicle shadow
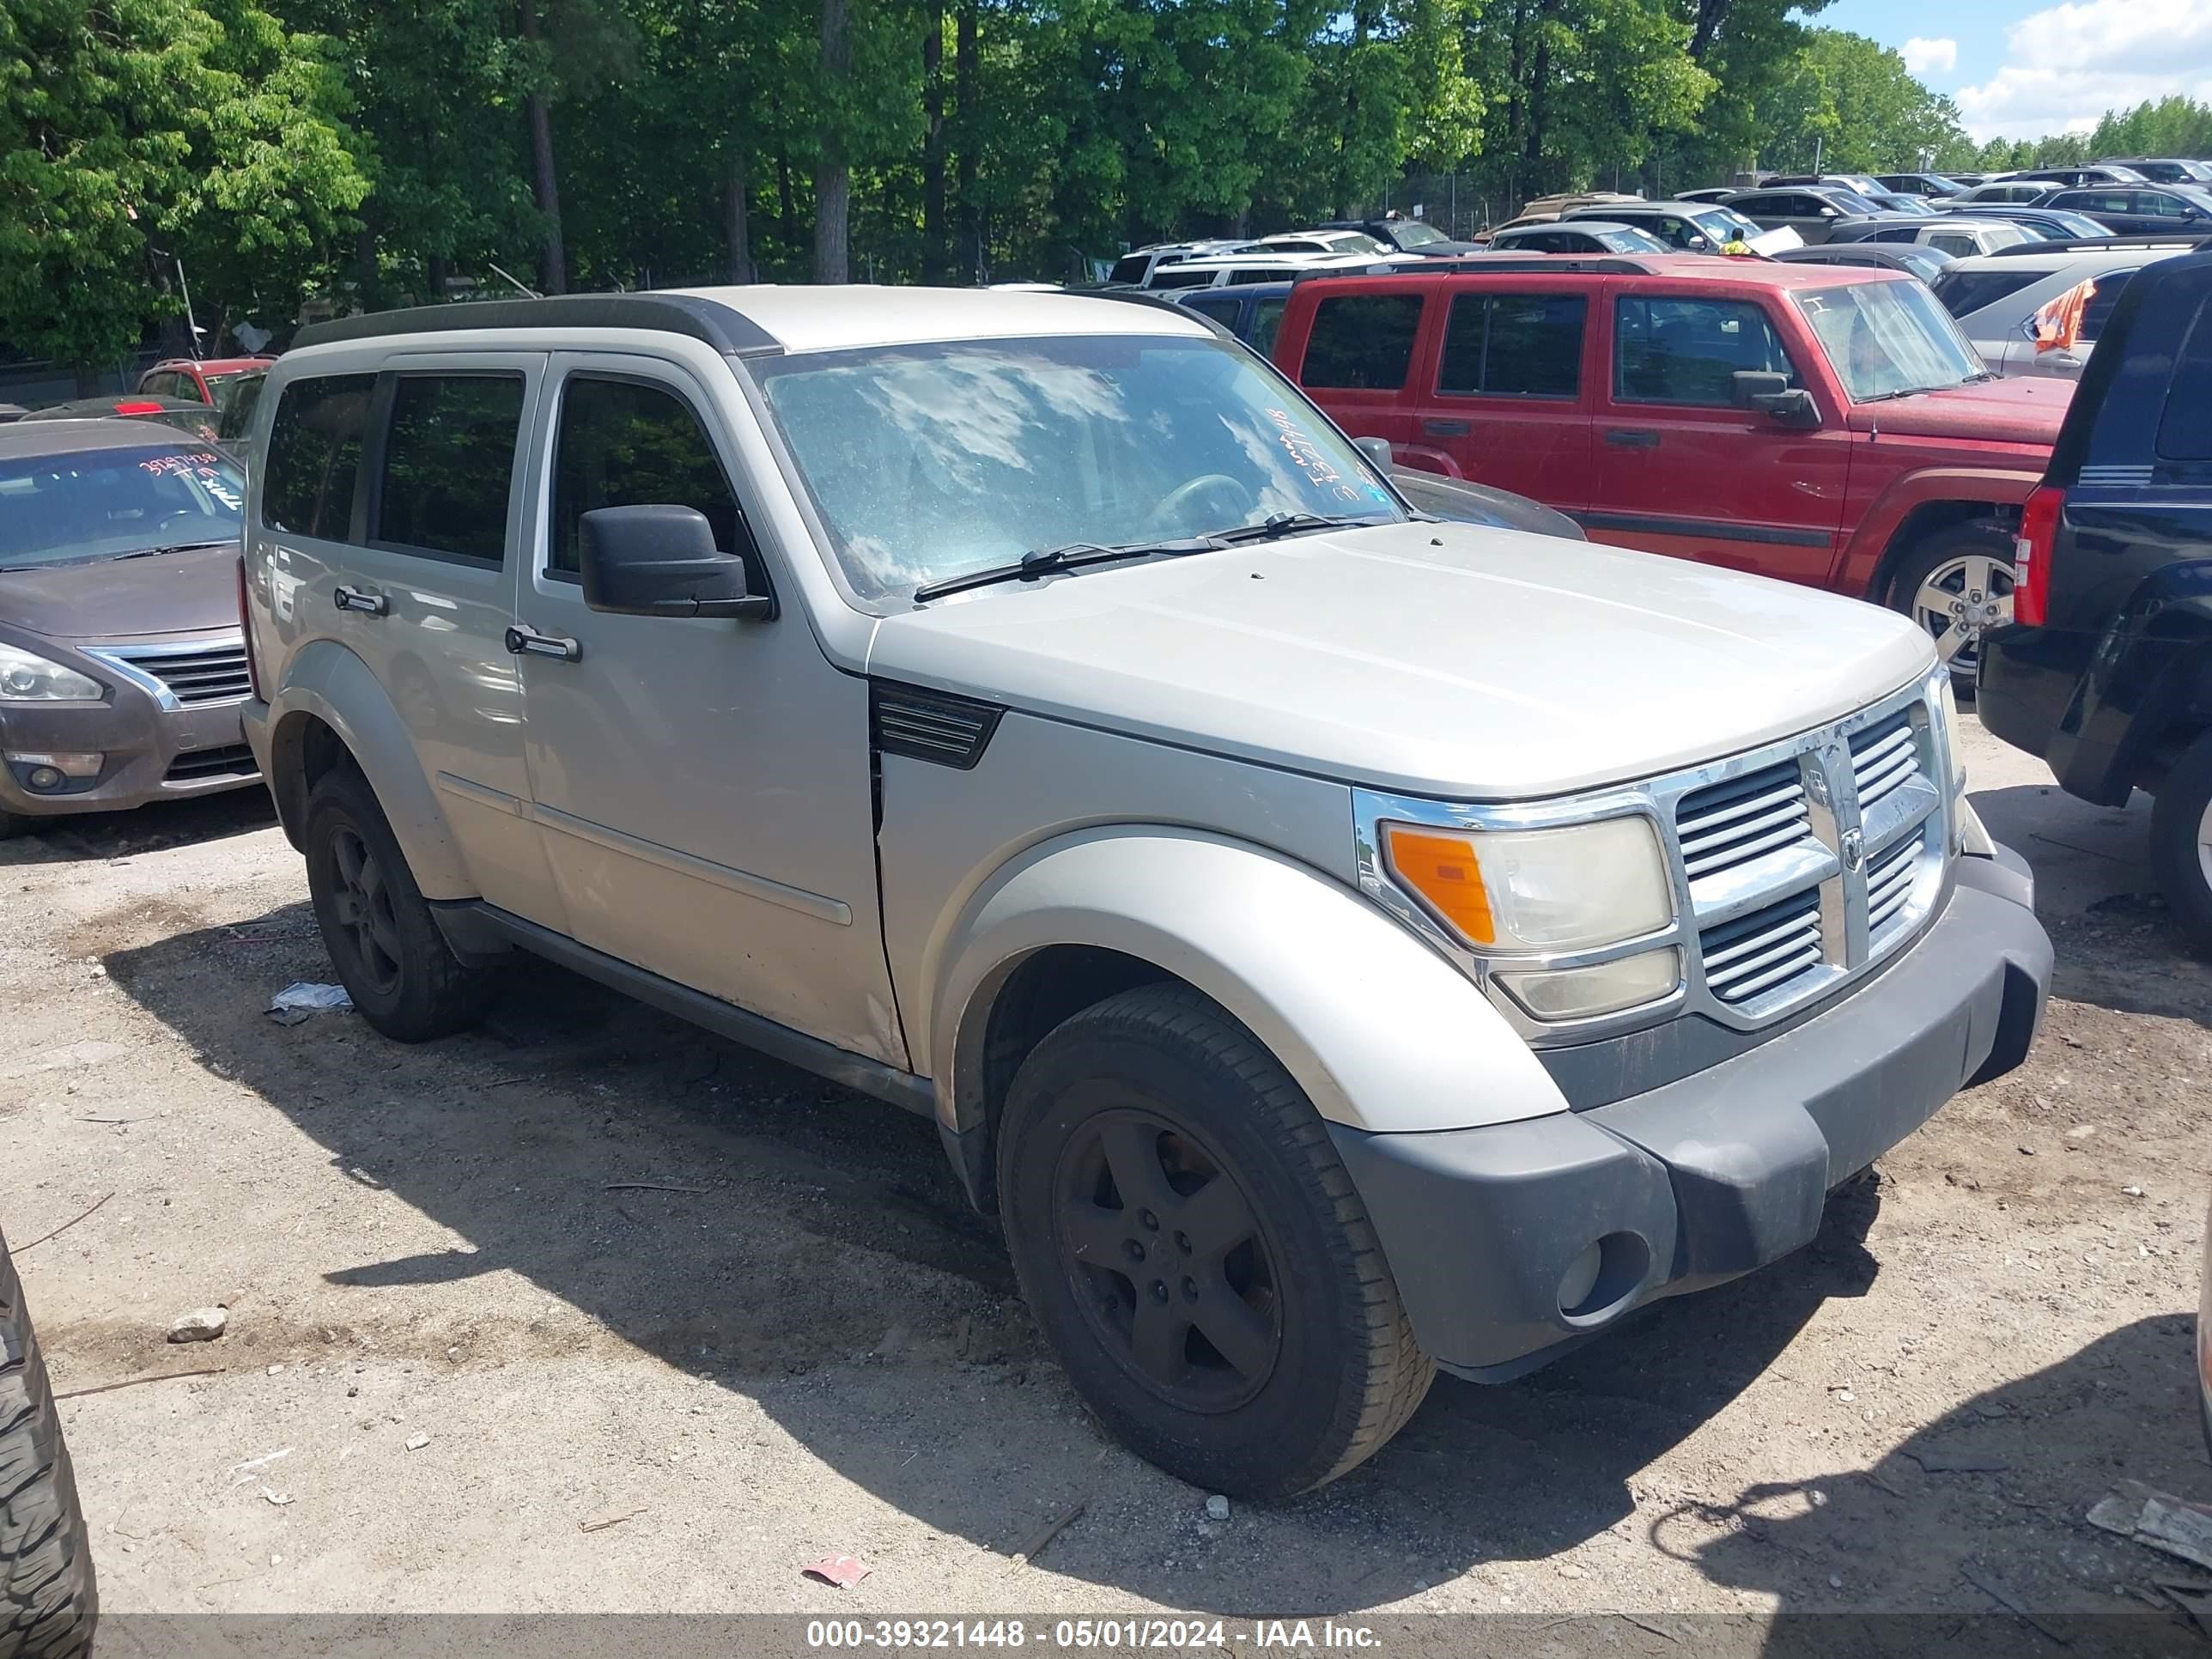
509, 1136
88, 837
2045, 1448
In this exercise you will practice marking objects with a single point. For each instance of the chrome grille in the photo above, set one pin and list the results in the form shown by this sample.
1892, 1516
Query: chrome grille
1764, 951
189, 676
1731, 823
1889, 883
1884, 758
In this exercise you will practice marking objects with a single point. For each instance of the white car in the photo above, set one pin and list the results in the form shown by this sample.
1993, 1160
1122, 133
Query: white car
1220, 270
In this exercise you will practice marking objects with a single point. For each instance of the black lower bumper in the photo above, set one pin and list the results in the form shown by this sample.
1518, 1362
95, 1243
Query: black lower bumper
1707, 1177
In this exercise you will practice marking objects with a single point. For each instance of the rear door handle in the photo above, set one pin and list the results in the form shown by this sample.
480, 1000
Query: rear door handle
369, 605
1433, 428
1626, 438
529, 642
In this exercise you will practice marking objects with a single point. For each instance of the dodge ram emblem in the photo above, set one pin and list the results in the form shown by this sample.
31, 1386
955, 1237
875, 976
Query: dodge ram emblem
1854, 848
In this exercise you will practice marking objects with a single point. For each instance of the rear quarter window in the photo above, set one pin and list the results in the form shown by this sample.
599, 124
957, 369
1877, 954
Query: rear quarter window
449, 465
313, 456
1363, 342
1965, 292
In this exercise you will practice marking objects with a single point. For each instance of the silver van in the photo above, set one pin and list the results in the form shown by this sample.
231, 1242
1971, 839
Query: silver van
1336, 944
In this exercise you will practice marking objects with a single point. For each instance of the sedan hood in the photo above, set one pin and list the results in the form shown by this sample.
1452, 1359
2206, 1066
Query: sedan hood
1775, 241
2012, 410
1430, 660
125, 598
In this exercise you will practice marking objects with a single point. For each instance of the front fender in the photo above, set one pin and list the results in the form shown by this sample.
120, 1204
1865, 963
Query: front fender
327, 682
1379, 1030
1886, 515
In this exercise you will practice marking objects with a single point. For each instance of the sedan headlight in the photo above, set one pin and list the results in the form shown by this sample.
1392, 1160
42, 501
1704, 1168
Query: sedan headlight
1569, 888
25, 676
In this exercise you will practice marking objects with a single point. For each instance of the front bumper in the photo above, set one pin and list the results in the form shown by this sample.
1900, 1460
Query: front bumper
152, 753
1706, 1178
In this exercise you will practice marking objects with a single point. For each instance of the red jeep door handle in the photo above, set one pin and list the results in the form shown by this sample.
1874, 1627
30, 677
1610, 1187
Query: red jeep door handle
1436, 429
1627, 438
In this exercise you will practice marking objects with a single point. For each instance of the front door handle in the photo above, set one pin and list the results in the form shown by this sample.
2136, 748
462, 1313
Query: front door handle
1436, 428
1628, 438
529, 642
369, 605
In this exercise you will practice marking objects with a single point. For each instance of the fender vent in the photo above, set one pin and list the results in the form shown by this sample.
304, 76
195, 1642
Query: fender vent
930, 725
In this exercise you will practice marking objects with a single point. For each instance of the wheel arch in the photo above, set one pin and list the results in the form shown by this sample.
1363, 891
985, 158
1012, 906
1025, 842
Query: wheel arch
1376, 1028
331, 710
1923, 524
1918, 505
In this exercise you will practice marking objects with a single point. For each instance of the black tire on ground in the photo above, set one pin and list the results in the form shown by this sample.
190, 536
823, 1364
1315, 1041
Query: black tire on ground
1956, 559
385, 944
48, 1599
2178, 830
1198, 1258
13, 823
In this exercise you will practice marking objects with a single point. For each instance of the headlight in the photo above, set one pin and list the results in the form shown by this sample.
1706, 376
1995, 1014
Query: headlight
1562, 888
26, 678
1948, 709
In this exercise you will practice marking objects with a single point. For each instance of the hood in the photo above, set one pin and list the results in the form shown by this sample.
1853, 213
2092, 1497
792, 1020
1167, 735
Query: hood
2020, 408
1444, 250
124, 598
1429, 659
1775, 241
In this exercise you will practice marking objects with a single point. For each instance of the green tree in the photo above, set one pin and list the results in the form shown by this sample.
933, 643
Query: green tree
1852, 103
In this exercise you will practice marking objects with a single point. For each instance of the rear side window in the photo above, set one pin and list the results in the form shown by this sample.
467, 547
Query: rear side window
1363, 342
2185, 429
1223, 309
1170, 276
1688, 351
448, 462
1514, 345
2098, 310
625, 444
314, 456
1965, 292
1131, 267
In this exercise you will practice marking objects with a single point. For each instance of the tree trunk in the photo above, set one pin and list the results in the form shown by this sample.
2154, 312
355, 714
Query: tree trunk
832, 173
734, 218
933, 142
967, 66
786, 213
1711, 13
553, 274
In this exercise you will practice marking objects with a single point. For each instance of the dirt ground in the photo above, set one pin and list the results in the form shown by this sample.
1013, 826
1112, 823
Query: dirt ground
456, 1351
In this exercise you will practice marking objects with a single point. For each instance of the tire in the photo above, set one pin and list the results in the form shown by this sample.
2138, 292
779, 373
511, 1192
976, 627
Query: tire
1258, 1348
49, 1600
2180, 830
1964, 567
385, 944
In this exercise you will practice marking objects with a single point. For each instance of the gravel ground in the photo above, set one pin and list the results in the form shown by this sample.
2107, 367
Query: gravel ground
464, 1374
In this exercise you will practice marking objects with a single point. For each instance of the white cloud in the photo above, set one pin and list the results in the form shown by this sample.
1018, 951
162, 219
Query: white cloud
2064, 67
1930, 57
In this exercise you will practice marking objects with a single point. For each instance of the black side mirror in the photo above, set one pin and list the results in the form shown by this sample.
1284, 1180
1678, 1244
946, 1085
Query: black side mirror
1767, 390
661, 560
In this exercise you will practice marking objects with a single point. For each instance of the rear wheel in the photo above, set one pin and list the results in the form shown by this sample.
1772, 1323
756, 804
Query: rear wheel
2181, 841
48, 1599
1197, 1256
13, 823
385, 944
1957, 584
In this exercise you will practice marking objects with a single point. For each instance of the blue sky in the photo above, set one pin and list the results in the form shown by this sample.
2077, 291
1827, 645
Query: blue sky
2019, 68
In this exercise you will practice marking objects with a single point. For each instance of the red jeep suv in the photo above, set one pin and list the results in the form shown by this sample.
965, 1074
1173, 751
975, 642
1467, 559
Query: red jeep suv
1821, 424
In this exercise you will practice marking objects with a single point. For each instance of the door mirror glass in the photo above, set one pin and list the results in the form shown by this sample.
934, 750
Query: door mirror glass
657, 560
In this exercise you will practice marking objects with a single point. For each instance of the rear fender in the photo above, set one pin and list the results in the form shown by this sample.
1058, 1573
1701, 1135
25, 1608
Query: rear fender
1927, 497
2150, 683
1376, 1028
325, 681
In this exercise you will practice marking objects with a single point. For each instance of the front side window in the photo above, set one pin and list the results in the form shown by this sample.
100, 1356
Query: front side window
1363, 342
1887, 339
927, 462
622, 443
1689, 351
1514, 345
314, 454
94, 504
449, 464
1267, 322
1965, 292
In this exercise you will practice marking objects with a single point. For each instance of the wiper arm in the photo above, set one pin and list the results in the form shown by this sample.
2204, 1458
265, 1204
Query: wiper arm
1075, 556
1277, 524
175, 547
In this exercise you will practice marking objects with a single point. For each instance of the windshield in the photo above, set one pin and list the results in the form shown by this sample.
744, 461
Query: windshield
931, 461
96, 503
1718, 222
1415, 233
1885, 339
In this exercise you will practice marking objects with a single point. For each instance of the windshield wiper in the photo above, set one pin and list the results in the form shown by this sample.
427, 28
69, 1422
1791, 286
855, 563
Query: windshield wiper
1074, 555
175, 547
1277, 524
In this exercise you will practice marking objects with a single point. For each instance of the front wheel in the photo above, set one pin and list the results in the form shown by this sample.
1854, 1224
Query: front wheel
1956, 584
2181, 841
1197, 1256
49, 1602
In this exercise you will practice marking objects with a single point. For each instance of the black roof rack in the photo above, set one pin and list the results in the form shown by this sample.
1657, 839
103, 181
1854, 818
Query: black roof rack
1600, 264
723, 327
2099, 245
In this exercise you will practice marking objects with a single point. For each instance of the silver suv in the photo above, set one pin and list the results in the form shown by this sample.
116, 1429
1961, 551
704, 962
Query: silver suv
1336, 944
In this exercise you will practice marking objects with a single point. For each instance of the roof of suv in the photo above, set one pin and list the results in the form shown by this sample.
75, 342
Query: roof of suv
1698, 267
765, 318
21, 439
